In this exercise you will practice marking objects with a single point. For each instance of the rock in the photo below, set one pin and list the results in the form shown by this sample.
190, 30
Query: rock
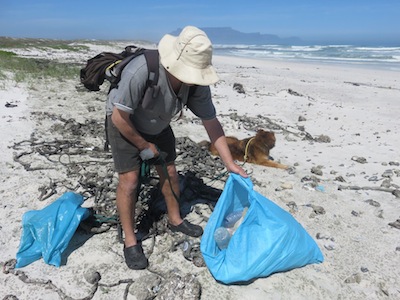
176, 286
364, 269
324, 236
354, 213
387, 174
373, 202
340, 179
92, 276
355, 278
323, 139
395, 224
394, 163
360, 160
396, 193
317, 170
239, 88
145, 287
319, 210
302, 119
373, 178
386, 183
292, 207
287, 186
330, 246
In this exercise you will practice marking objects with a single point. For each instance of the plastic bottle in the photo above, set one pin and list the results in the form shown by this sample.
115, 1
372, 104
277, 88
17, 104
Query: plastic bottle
238, 222
222, 237
232, 218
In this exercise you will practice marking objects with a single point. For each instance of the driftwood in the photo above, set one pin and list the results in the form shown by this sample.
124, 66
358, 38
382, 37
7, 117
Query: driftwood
395, 192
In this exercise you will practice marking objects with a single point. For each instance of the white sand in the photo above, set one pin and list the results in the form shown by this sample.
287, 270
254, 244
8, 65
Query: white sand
358, 108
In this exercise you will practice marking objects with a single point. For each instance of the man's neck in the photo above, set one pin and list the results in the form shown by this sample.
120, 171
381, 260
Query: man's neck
175, 83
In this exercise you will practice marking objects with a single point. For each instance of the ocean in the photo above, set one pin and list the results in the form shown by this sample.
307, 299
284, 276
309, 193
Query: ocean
381, 57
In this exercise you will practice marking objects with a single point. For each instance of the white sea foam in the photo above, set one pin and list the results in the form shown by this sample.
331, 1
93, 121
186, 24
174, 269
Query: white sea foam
386, 56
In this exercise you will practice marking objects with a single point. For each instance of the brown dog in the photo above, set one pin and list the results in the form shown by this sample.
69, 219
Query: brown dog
257, 149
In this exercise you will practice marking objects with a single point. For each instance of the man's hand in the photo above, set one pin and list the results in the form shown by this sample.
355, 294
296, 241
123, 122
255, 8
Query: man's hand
234, 168
149, 152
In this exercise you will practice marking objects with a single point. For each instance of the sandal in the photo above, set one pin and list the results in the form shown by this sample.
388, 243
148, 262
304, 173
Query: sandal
187, 228
135, 258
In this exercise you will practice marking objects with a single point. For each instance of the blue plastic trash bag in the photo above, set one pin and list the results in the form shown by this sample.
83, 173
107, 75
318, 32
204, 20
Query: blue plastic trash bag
268, 240
47, 232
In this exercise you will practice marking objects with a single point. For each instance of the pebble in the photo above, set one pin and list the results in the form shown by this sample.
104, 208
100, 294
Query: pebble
301, 119
373, 178
387, 174
386, 183
340, 179
373, 202
319, 210
364, 269
317, 170
396, 193
287, 186
238, 87
324, 236
92, 276
292, 206
145, 287
360, 160
323, 139
355, 278
330, 246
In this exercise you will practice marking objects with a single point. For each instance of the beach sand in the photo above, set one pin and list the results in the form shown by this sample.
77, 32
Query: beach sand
337, 126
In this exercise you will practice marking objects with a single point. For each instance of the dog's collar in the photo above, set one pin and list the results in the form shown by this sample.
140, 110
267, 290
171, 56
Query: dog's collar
247, 148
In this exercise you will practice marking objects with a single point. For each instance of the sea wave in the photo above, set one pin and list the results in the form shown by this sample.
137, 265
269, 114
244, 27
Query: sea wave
387, 56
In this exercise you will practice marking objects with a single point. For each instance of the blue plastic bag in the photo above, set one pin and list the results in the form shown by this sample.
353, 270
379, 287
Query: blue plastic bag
47, 232
269, 239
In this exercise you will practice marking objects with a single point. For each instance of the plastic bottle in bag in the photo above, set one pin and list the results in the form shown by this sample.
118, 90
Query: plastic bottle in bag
232, 218
238, 222
222, 237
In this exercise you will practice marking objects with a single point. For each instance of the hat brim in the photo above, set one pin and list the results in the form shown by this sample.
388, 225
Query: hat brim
184, 73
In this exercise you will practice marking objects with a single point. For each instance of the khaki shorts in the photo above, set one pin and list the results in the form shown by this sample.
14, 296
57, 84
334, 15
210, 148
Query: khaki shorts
126, 155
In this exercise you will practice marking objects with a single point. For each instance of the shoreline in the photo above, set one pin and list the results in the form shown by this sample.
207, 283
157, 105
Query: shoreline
384, 66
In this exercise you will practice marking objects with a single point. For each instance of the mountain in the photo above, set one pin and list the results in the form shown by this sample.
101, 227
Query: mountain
227, 35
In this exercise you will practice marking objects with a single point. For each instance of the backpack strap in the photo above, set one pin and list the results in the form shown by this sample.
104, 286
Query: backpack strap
153, 66
152, 90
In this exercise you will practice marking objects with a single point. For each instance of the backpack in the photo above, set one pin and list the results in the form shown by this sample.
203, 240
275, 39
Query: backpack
109, 66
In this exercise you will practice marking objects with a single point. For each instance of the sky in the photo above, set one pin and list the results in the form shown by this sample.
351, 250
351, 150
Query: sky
313, 21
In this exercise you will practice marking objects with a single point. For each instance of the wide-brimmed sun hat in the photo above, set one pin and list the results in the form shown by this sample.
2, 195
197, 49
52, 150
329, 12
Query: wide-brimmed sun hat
188, 56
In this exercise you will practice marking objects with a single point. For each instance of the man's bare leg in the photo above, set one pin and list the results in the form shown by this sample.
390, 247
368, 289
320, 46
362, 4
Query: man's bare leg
126, 202
176, 224
174, 216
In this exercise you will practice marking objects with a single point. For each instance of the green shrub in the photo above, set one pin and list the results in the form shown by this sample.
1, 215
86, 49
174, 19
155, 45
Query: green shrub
24, 68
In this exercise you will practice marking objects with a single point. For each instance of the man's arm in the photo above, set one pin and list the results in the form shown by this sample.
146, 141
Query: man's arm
121, 120
217, 137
